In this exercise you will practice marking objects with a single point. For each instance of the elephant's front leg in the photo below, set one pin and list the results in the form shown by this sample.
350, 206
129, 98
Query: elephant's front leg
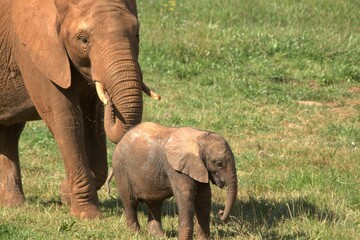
95, 140
69, 134
61, 111
184, 192
202, 211
95, 146
68, 131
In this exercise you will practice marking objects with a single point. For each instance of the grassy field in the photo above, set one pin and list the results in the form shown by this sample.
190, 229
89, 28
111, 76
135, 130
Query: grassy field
280, 80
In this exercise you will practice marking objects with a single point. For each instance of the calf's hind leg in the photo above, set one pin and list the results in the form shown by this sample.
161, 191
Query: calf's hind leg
130, 207
130, 203
154, 219
11, 191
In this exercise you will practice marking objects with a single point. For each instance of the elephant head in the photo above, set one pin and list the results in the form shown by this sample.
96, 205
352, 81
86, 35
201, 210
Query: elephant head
99, 39
204, 156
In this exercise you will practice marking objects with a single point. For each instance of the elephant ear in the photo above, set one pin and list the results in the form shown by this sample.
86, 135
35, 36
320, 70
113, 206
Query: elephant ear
35, 25
183, 154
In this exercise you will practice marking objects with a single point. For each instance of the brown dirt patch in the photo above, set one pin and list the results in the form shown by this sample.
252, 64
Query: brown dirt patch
354, 90
309, 103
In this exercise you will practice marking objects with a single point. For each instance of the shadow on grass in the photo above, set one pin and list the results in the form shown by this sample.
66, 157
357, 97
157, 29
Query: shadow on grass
249, 218
260, 216
114, 207
169, 207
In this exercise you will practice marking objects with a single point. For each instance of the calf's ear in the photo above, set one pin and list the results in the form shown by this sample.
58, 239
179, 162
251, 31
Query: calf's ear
183, 154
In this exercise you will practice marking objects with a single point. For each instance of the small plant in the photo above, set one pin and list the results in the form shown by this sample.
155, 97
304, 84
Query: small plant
169, 6
66, 225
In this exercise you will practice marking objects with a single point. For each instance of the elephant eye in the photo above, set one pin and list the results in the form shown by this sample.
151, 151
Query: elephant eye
84, 39
218, 164
84, 44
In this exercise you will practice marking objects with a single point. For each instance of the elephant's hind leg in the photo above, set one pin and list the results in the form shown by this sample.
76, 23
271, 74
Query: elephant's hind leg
154, 219
11, 192
130, 207
129, 201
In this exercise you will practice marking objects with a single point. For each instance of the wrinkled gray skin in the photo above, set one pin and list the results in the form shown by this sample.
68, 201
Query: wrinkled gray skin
51, 54
152, 163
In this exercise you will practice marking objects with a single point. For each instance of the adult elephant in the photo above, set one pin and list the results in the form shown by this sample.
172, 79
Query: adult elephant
52, 52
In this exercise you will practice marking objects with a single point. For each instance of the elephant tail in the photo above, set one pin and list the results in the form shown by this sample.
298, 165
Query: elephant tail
111, 174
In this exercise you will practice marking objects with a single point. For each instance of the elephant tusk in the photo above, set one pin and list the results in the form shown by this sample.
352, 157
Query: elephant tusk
154, 95
101, 93
149, 92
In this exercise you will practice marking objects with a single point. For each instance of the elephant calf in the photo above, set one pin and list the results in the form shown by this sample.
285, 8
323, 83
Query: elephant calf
152, 163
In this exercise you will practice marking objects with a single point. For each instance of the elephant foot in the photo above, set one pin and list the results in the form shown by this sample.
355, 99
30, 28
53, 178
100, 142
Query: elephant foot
155, 229
88, 209
84, 209
89, 212
11, 199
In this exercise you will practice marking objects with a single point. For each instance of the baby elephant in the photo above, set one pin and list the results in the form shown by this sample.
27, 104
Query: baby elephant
152, 163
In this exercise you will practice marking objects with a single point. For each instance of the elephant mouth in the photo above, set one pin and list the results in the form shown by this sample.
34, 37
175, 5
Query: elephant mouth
215, 179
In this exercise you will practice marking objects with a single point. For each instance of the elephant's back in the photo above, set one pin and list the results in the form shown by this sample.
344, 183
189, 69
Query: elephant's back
143, 146
146, 133
152, 129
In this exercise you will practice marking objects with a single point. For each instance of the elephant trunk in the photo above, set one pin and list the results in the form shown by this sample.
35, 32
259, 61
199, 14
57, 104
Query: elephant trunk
231, 192
124, 86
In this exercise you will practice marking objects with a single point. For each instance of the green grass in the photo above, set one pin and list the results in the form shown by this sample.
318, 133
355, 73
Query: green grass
280, 80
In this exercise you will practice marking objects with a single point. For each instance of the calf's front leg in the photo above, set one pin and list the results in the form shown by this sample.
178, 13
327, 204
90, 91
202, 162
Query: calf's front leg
184, 191
202, 211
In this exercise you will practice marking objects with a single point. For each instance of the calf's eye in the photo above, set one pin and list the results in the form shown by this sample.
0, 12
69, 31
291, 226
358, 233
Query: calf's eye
218, 164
